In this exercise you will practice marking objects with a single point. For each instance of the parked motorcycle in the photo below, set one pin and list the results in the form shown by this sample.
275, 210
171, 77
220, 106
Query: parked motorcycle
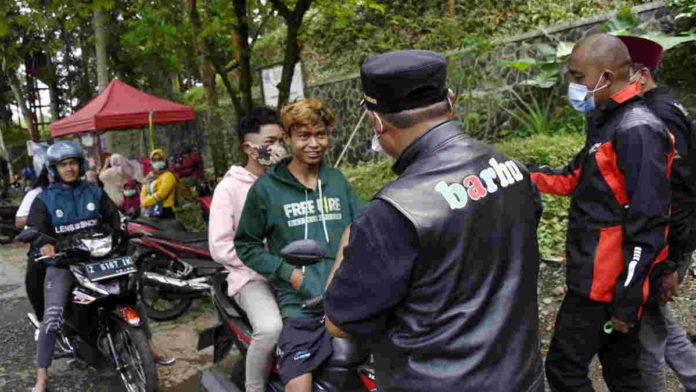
349, 369
102, 324
174, 268
7, 225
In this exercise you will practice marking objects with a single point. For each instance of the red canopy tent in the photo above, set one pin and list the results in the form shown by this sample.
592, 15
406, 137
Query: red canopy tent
121, 106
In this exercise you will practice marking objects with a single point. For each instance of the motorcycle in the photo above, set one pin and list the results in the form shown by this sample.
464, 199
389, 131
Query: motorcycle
102, 324
349, 369
7, 225
174, 268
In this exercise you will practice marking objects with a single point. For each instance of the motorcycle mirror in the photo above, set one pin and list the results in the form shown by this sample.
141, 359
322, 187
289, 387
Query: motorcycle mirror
303, 252
27, 235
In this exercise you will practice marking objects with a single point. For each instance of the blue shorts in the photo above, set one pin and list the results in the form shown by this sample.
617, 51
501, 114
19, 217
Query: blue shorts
303, 346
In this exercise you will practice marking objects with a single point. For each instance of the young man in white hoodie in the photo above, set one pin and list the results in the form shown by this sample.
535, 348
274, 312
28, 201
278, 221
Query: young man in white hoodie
261, 133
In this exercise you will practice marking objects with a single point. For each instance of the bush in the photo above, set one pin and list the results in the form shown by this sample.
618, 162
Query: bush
367, 179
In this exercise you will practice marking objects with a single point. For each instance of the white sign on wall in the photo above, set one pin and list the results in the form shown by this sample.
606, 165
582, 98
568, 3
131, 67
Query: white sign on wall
270, 78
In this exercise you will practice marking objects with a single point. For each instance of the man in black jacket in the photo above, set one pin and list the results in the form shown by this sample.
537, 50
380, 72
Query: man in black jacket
619, 184
440, 271
662, 338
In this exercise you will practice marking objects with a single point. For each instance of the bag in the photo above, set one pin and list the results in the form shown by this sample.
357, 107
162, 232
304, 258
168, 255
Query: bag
156, 210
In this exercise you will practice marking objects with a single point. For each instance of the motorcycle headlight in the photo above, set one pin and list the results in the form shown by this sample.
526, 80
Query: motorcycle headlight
98, 247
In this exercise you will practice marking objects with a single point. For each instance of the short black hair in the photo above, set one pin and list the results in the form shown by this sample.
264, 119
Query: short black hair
258, 116
41, 180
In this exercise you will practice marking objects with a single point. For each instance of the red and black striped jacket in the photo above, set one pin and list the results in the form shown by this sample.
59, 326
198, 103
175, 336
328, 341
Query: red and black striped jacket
619, 213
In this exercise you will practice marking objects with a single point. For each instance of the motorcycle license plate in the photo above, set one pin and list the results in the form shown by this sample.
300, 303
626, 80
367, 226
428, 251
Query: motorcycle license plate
109, 268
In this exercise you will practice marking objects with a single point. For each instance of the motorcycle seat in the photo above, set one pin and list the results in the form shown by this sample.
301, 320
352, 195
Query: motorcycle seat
184, 237
346, 354
203, 266
161, 224
228, 305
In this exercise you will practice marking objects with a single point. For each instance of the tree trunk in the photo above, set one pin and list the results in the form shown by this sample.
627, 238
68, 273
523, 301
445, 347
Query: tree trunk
231, 91
289, 60
293, 21
22, 103
449, 8
206, 70
99, 24
244, 57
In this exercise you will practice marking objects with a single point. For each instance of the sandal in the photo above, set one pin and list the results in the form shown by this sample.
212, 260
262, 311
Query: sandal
165, 361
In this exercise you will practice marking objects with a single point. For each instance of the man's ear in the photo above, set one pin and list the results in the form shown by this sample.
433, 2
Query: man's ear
452, 99
248, 150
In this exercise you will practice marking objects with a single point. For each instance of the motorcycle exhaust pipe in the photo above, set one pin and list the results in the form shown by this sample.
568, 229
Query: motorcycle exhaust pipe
33, 320
175, 284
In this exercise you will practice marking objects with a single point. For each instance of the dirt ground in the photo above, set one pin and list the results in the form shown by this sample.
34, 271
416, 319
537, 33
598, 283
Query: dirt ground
179, 337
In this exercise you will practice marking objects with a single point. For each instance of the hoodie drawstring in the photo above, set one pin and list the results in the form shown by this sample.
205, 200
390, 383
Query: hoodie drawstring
323, 218
306, 221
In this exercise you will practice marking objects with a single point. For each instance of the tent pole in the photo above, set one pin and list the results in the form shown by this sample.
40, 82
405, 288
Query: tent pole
152, 130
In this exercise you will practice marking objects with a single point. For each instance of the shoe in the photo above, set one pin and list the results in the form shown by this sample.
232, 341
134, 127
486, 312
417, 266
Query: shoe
165, 361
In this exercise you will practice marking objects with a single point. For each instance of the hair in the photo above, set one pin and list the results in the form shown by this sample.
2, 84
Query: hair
42, 180
305, 113
252, 121
638, 66
409, 118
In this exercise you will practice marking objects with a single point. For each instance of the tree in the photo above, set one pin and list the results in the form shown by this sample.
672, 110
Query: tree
293, 21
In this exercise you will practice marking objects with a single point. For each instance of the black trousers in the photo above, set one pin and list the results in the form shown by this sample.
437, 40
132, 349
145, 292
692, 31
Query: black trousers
578, 336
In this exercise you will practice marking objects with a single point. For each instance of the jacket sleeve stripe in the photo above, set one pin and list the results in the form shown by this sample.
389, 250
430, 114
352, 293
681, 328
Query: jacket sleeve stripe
557, 184
606, 162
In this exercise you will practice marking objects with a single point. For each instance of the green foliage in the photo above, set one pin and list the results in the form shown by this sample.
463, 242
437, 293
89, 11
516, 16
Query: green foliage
555, 152
400, 24
688, 7
368, 178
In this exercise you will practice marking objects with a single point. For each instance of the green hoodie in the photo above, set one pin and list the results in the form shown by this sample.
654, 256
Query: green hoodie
279, 209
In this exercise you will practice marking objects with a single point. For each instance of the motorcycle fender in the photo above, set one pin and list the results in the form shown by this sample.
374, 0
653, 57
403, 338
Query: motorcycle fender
219, 337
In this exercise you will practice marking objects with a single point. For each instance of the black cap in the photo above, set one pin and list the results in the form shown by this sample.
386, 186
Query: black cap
404, 80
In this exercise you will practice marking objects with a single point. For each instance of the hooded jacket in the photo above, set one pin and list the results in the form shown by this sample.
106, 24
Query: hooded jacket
620, 196
280, 210
225, 213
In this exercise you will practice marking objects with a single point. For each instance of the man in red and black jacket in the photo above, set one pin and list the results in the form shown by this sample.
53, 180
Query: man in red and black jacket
662, 339
619, 214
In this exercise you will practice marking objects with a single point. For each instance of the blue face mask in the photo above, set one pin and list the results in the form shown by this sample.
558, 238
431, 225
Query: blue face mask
579, 96
159, 165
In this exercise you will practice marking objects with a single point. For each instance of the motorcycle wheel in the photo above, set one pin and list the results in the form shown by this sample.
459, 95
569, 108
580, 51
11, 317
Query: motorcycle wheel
138, 372
156, 305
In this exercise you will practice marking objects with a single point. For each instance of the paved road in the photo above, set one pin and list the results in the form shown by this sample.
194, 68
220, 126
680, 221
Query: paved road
18, 350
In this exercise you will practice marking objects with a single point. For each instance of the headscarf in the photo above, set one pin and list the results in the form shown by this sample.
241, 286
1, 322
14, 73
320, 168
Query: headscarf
127, 168
160, 152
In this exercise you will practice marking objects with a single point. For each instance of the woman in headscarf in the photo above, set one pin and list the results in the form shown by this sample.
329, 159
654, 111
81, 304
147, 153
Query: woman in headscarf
158, 195
116, 170
131, 200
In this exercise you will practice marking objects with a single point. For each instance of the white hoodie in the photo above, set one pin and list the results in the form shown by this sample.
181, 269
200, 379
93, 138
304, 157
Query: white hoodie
225, 212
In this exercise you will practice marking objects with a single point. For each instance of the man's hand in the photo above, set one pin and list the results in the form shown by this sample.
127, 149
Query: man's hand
48, 250
621, 326
296, 279
670, 287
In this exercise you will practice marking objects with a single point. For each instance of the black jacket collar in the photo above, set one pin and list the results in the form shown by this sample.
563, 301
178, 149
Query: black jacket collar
428, 141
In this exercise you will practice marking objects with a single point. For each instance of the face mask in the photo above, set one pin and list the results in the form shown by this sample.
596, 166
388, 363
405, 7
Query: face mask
268, 154
159, 165
376, 146
129, 192
578, 96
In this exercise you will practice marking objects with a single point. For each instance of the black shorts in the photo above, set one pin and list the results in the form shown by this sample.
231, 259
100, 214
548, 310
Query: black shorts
303, 346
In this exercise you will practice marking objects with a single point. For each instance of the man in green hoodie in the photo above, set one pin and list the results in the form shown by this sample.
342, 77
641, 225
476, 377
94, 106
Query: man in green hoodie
298, 198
